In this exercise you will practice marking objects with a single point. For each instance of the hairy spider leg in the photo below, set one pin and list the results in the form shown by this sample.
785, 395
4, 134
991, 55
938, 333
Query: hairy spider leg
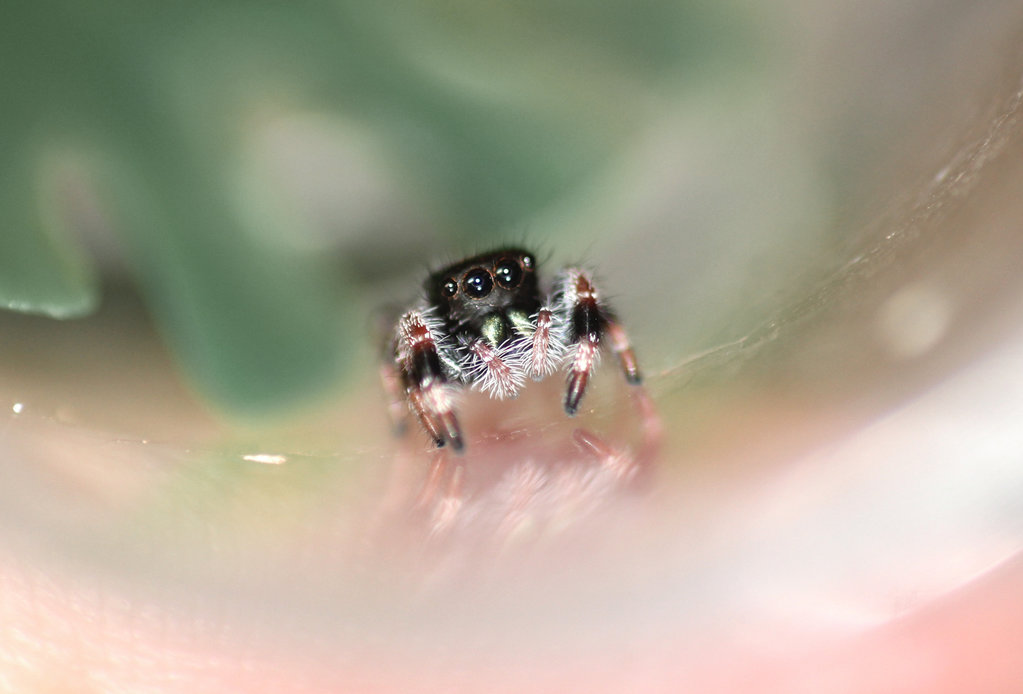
548, 345
497, 371
621, 346
429, 392
588, 320
584, 319
395, 390
427, 419
586, 355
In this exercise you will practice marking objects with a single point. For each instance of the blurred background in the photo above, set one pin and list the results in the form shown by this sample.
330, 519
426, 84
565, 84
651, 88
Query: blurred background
807, 215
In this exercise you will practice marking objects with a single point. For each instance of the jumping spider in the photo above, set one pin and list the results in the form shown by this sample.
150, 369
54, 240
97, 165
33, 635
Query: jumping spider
483, 324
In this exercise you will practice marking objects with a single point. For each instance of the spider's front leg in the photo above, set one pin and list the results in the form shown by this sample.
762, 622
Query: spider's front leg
429, 392
588, 321
497, 371
547, 344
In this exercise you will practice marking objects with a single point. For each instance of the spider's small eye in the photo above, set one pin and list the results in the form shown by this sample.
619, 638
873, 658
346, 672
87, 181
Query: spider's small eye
508, 274
449, 288
527, 262
477, 283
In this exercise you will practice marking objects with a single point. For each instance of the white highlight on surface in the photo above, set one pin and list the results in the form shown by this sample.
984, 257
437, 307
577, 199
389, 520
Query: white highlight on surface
18, 408
913, 320
265, 458
917, 504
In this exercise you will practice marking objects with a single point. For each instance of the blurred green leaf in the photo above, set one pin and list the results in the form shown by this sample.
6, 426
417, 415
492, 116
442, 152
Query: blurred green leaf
490, 112
41, 268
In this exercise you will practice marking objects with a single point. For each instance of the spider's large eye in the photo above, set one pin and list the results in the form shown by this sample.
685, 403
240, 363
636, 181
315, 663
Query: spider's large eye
508, 274
449, 288
477, 283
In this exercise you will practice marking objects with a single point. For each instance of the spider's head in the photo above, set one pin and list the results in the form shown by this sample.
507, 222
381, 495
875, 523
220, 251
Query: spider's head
501, 283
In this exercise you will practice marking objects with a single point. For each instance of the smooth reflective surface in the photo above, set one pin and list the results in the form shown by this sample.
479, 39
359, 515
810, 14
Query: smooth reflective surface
827, 497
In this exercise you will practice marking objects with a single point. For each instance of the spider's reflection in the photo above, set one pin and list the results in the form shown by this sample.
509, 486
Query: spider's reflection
513, 489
